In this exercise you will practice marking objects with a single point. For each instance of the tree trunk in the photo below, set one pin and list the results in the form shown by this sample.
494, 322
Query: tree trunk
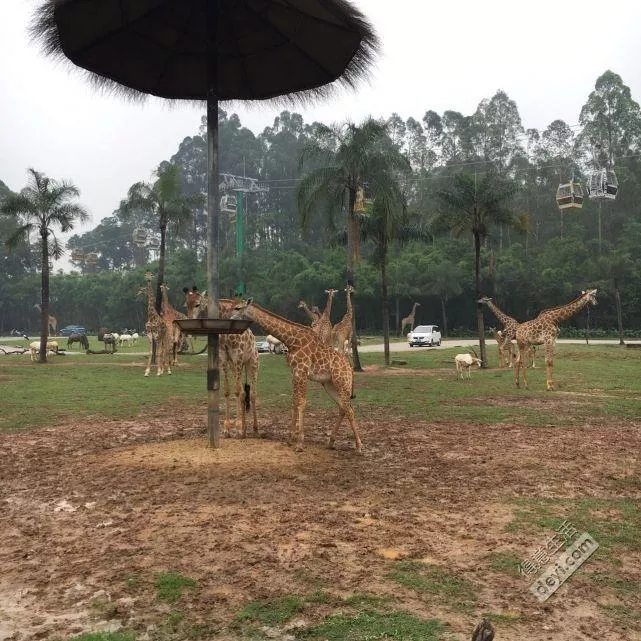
44, 307
161, 261
398, 316
444, 315
479, 306
351, 226
385, 308
617, 299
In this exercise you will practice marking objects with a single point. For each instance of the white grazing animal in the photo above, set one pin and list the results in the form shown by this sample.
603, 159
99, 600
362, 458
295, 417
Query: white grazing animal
275, 346
34, 348
464, 364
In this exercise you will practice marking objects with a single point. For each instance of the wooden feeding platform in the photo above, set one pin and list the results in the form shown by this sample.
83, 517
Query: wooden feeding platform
212, 328
213, 325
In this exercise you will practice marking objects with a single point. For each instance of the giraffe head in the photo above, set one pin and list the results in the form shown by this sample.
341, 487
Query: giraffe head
484, 300
242, 309
349, 289
590, 294
148, 276
196, 302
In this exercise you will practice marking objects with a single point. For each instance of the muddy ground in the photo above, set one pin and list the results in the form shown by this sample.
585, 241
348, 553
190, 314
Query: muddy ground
89, 513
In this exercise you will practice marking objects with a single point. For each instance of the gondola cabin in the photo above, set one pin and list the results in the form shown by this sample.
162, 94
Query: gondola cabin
569, 196
140, 237
228, 203
91, 259
603, 185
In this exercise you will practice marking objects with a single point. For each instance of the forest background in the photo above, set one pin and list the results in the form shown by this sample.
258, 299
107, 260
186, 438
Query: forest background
540, 258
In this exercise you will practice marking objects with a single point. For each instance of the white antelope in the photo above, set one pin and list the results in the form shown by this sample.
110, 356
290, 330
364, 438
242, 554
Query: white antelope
464, 363
34, 348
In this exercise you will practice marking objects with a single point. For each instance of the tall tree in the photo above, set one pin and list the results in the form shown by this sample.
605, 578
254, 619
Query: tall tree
42, 206
474, 203
342, 160
166, 200
387, 221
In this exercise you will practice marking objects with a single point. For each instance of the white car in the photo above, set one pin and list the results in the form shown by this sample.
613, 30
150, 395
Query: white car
424, 335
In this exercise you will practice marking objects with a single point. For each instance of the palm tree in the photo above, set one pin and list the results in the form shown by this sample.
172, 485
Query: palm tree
41, 206
474, 203
343, 159
165, 199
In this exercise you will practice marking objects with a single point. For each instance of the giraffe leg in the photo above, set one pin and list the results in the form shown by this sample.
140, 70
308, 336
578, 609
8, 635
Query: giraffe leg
252, 377
227, 423
549, 366
298, 411
241, 419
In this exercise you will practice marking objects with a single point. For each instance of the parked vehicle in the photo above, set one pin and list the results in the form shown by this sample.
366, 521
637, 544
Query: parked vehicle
263, 346
73, 329
424, 335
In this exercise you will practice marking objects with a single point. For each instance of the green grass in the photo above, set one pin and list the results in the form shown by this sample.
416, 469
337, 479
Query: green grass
368, 626
435, 581
272, 612
506, 563
601, 382
615, 524
170, 586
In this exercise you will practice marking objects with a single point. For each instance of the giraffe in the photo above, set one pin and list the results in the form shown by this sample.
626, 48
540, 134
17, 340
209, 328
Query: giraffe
169, 315
342, 332
409, 320
323, 326
53, 321
156, 330
310, 359
505, 336
313, 313
237, 352
544, 330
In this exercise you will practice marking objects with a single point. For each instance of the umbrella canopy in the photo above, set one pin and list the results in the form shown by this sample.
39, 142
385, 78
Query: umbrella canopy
263, 48
210, 50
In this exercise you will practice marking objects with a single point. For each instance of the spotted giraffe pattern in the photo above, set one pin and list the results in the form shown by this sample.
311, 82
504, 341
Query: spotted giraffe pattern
544, 330
323, 327
169, 315
156, 331
308, 359
342, 332
410, 319
506, 335
238, 353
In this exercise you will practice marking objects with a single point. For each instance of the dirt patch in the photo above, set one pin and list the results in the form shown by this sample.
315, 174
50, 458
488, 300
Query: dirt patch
91, 512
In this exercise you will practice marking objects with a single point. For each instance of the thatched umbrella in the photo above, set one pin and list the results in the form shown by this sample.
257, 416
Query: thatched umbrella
211, 50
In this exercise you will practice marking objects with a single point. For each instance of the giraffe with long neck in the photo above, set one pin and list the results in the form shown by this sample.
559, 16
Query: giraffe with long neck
342, 332
506, 335
313, 314
323, 327
409, 319
169, 315
156, 330
544, 330
238, 353
308, 359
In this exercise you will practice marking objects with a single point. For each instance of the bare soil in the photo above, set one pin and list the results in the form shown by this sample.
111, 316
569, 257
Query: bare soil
90, 512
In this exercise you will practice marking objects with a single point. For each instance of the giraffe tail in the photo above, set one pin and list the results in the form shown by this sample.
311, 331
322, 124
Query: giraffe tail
247, 399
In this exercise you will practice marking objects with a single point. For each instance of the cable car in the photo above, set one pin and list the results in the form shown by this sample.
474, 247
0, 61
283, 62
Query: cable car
91, 259
569, 196
603, 184
77, 255
153, 244
140, 237
228, 203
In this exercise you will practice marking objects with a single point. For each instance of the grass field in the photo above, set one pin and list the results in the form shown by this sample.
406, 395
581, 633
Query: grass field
121, 524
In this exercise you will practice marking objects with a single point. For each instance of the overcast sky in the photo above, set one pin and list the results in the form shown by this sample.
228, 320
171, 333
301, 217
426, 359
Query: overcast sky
546, 55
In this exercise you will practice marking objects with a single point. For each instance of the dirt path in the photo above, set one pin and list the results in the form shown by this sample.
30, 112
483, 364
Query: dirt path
90, 512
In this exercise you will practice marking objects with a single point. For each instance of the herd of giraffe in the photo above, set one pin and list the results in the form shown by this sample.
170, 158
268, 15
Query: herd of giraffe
318, 351
542, 330
310, 355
